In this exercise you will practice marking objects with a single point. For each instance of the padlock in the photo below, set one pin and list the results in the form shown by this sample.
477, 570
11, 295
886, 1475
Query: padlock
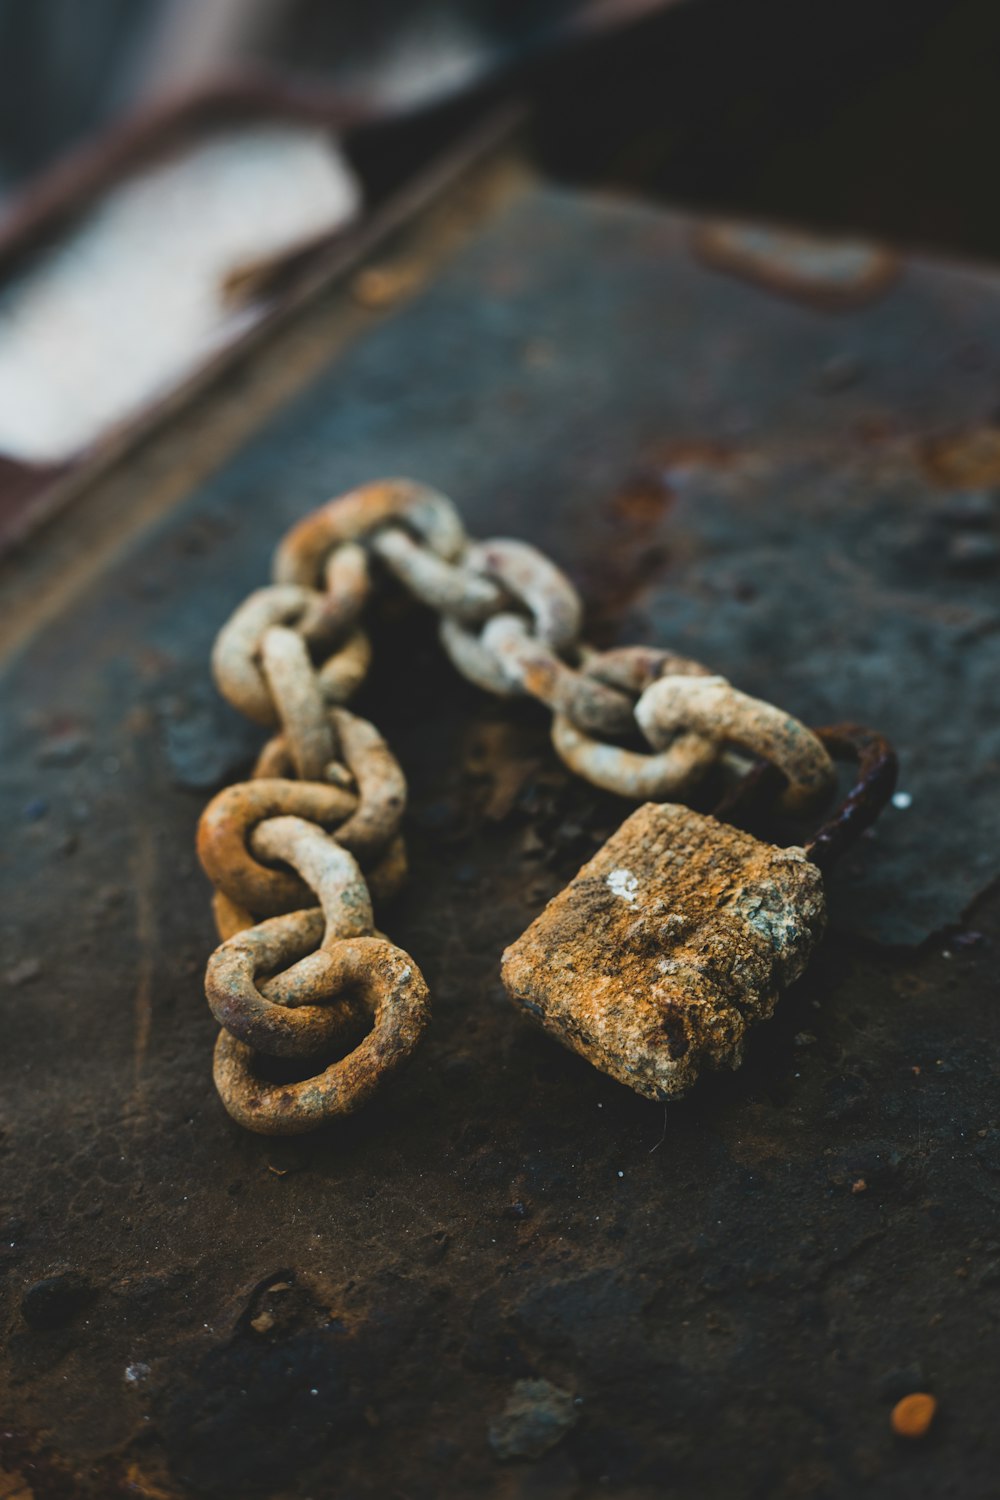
682, 931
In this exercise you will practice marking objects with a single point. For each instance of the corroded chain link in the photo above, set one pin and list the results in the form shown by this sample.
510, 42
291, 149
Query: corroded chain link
298, 853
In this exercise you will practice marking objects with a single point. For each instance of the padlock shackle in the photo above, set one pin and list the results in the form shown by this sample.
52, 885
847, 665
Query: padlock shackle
873, 786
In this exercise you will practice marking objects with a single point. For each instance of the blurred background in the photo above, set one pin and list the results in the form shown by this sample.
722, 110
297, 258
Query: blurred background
169, 167
866, 114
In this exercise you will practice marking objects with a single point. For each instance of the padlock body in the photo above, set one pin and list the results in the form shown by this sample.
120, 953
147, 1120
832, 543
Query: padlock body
668, 945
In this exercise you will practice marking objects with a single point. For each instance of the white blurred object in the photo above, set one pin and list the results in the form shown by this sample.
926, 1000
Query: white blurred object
131, 301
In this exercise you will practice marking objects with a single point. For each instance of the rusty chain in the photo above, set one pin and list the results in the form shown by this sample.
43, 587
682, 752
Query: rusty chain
297, 853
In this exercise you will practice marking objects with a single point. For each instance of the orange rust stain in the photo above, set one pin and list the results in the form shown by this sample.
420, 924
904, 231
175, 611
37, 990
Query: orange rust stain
752, 1148
379, 287
616, 572
642, 500
912, 1417
696, 453
964, 460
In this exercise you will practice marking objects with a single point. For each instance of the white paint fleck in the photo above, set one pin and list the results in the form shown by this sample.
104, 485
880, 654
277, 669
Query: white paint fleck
623, 883
902, 800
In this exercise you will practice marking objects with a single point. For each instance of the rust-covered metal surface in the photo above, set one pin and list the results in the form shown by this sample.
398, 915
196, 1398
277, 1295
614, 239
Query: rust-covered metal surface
512, 1276
662, 953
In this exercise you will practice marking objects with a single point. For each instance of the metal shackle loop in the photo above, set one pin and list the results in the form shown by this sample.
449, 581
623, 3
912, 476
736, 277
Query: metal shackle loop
383, 980
356, 516
873, 786
713, 707
531, 581
746, 803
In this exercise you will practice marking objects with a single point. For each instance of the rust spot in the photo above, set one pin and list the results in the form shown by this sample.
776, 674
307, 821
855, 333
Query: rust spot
378, 287
683, 455
625, 563
835, 274
877, 428
499, 764
912, 1417
643, 499
964, 460
630, 549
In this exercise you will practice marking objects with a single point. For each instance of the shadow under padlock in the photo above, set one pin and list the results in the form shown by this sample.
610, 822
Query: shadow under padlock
683, 930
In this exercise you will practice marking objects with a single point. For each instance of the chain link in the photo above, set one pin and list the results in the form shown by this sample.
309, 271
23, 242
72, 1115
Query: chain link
298, 853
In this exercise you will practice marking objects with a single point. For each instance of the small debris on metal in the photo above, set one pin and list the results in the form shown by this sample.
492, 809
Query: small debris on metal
840, 373
64, 748
972, 552
836, 273
378, 287
968, 939
537, 1416
913, 1415
964, 460
23, 973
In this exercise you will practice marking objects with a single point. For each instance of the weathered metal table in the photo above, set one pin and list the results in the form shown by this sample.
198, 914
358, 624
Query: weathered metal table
735, 1290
